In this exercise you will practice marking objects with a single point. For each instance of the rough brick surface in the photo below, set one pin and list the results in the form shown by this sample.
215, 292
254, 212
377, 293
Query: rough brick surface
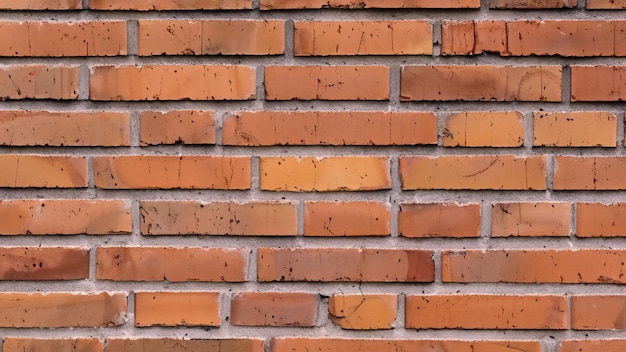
273, 309
363, 312
43, 263
38, 82
484, 129
439, 220
346, 219
177, 127
177, 308
600, 220
571, 129
530, 219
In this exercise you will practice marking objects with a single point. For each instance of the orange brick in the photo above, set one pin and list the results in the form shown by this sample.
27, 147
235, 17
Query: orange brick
65, 217
168, 172
473, 37
41, 5
302, 344
481, 83
38, 82
439, 220
273, 309
605, 4
44, 263
328, 38
484, 129
600, 220
21, 344
177, 127
361, 4
363, 312
327, 82
61, 310
264, 128
211, 37
575, 129
532, 4
598, 83
589, 173
598, 313
346, 219
159, 5
591, 345
177, 308
35, 38
486, 312
530, 219
75, 129
171, 264
42, 171
161, 82
308, 174
498, 172
180, 345
530, 266
198, 218
345, 264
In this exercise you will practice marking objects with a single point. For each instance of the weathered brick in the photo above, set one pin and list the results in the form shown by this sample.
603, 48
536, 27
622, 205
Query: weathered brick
177, 127
160, 5
265, 128
38, 82
439, 220
363, 312
274, 309
41, 5
591, 345
345, 264
598, 83
346, 219
294, 174
184, 345
605, 4
589, 173
171, 172
530, 219
575, 129
171, 264
600, 220
177, 308
362, 4
484, 129
44, 263
26, 344
598, 312
43, 171
532, 4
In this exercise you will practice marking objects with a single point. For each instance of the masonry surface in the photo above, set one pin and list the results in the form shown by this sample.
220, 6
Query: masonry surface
308, 175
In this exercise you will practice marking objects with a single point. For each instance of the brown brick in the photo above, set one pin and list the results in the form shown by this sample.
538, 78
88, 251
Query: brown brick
591, 345
41, 5
211, 37
439, 220
177, 127
598, 312
42, 171
35, 38
307, 174
598, 83
162, 82
328, 38
481, 83
486, 312
171, 264
363, 312
177, 308
38, 82
303, 344
159, 5
361, 4
530, 219
172, 172
346, 219
345, 264
600, 220
532, 4
198, 218
484, 129
497, 172
531, 266
327, 82
264, 128
44, 263
274, 309
61, 310
575, 129
589, 173
180, 345
65, 217
26, 344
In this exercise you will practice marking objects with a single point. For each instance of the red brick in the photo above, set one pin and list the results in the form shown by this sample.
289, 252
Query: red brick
42, 171
484, 129
177, 309
26, 344
162, 82
592, 345
474, 37
171, 264
534, 266
186, 345
41, 5
44, 263
62, 310
199, 218
328, 38
598, 83
363, 312
294, 174
605, 4
346, 219
481, 83
598, 312
530, 219
172, 172
497, 172
532, 4
573, 129
274, 309
439, 220
589, 173
177, 127
159, 5
600, 220
38, 82
345, 264
361, 4
211, 37
65, 217
265, 128
327, 82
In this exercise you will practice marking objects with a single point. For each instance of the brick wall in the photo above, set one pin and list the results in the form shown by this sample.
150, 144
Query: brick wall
308, 175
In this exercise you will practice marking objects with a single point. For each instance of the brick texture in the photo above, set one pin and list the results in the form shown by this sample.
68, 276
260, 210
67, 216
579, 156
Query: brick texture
363, 312
273, 309
177, 308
